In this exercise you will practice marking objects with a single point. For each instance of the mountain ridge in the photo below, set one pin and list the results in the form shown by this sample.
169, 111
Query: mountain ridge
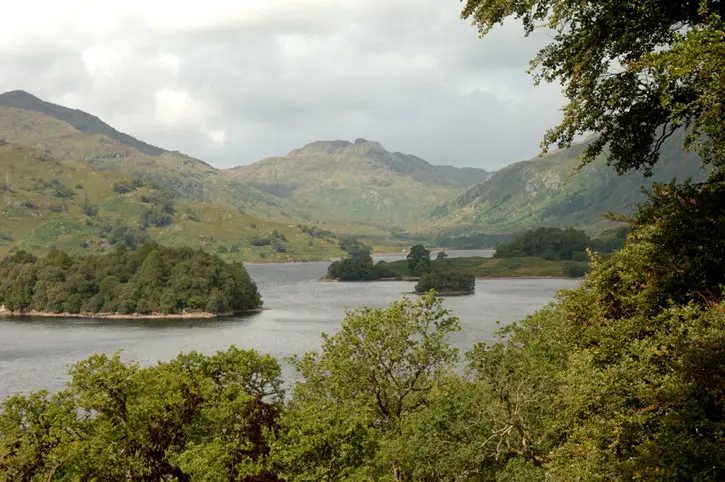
550, 191
357, 181
83, 121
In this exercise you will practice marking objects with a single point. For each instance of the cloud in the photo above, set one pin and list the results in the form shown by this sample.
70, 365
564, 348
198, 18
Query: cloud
233, 81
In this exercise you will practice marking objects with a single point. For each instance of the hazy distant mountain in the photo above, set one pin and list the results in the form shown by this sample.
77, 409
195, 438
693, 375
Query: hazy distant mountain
357, 181
545, 192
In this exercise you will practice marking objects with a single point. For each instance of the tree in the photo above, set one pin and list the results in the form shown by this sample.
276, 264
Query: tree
446, 281
634, 72
379, 370
354, 247
196, 417
548, 243
441, 255
418, 260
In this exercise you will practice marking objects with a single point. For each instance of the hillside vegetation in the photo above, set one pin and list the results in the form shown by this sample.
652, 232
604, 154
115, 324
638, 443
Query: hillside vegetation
74, 207
359, 188
547, 191
361, 181
152, 280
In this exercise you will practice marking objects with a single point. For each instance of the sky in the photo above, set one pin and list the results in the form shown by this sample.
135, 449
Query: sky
234, 81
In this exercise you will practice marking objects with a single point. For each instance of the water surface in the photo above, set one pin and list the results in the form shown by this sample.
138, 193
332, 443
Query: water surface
35, 353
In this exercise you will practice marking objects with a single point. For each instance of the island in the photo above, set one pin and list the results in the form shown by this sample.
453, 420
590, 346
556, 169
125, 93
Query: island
448, 275
443, 279
154, 281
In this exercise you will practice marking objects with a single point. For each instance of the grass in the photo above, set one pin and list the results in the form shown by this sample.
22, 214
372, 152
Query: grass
31, 217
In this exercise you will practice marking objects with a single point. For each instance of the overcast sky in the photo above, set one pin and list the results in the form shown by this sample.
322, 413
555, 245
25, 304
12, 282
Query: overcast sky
234, 81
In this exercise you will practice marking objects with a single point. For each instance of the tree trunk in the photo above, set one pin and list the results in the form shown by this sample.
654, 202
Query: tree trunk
396, 472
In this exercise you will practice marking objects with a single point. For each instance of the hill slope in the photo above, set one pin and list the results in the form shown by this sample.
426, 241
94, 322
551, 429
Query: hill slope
360, 182
73, 206
546, 192
365, 194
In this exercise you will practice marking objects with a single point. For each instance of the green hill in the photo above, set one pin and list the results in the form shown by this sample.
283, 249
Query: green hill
75, 207
388, 187
546, 192
357, 181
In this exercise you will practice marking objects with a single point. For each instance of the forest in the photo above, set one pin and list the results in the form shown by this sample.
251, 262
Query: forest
621, 378
153, 279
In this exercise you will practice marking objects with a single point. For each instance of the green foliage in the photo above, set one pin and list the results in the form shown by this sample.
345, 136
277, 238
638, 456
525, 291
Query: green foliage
611, 240
154, 279
88, 208
501, 267
195, 417
127, 185
353, 247
441, 255
418, 261
633, 73
548, 243
358, 268
158, 215
55, 188
360, 390
315, 232
117, 232
446, 281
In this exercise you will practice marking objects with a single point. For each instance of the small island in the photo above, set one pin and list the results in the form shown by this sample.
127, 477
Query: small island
539, 253
152, 282
418, 266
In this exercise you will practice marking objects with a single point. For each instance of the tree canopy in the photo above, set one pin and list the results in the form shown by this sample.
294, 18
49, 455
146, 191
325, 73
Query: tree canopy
196, 417
633, 71
360, 390
548, 243
418, 260
153, 279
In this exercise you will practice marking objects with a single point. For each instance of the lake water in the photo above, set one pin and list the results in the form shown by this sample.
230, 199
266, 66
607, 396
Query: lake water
35, 353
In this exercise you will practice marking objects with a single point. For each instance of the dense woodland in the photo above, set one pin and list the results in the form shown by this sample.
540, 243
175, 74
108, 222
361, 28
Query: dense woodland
622, 378
153, 279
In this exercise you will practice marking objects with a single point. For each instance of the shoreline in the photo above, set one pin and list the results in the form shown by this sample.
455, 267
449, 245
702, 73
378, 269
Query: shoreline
417, 278
134, 316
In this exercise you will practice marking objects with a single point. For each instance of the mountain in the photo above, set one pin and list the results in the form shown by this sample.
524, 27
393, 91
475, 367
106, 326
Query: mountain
350, 188
72, 134
546, 191
83, 122
73, 206
357, 181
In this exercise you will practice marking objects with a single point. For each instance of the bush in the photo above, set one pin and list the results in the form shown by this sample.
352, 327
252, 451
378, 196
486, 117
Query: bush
448, 281
260, 241
353, 247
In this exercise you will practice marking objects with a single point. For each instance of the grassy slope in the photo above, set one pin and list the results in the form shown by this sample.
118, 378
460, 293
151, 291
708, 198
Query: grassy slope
189, 179
359, 182
500, 267
545, 191
28, 221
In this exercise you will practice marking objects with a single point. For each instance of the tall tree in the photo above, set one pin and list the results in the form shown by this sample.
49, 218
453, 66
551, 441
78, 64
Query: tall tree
371, 376
418, 260
634, 71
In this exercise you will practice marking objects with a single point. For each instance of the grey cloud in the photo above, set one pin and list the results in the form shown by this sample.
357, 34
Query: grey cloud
408, 73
